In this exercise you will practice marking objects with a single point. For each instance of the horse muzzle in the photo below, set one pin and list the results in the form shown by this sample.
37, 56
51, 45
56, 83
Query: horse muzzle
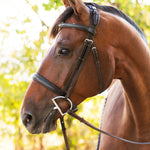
37, 125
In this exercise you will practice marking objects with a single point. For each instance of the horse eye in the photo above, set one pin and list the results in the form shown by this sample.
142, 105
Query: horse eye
63, 52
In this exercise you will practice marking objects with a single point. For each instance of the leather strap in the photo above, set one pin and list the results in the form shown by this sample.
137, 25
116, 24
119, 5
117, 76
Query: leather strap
49, 85
106, 133
97, 63
64, 133
78, 26
78, 67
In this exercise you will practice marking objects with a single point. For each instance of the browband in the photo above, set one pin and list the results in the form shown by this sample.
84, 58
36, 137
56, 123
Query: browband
94, 20
78, 26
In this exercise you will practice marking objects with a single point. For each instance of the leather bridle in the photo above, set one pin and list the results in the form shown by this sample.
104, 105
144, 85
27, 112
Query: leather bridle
87, 46
66, 91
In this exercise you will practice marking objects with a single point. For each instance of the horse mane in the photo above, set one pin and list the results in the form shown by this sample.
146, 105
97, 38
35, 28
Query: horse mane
119, 13
109, 9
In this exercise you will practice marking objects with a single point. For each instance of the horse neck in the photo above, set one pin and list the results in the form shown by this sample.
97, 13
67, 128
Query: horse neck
131, 58
132, 61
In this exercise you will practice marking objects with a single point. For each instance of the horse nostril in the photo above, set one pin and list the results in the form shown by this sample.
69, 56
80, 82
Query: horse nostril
27, 119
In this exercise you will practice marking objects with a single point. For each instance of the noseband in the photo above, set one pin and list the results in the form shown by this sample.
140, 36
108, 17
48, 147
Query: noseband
64, 93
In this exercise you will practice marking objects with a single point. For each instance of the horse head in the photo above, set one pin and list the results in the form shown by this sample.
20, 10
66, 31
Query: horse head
61, 66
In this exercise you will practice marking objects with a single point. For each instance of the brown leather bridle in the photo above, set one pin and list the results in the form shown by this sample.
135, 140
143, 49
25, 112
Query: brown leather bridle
87, 46
66, 91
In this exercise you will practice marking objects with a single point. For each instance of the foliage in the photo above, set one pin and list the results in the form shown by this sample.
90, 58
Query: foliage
52, 4
17, 66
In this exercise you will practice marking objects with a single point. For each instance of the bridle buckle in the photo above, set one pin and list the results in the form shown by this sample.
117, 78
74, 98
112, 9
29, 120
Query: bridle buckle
57, 106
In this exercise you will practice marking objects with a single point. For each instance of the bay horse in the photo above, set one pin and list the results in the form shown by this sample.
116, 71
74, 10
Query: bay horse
69, 74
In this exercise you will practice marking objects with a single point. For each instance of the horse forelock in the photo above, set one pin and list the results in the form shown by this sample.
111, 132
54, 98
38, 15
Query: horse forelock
62, 18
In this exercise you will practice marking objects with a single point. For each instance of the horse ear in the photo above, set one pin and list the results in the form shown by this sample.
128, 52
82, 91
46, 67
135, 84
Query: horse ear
66, 3
80, 9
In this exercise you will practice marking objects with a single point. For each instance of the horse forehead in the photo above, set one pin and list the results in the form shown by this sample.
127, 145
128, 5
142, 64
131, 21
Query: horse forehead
75, 19
70, 37
72, 19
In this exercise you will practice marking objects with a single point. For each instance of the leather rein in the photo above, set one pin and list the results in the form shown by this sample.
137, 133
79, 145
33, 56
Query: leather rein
66, 91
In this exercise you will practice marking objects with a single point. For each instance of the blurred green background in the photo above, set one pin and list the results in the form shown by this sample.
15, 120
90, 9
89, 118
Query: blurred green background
23, 44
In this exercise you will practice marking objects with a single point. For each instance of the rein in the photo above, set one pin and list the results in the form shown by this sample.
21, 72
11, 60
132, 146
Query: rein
66, 91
